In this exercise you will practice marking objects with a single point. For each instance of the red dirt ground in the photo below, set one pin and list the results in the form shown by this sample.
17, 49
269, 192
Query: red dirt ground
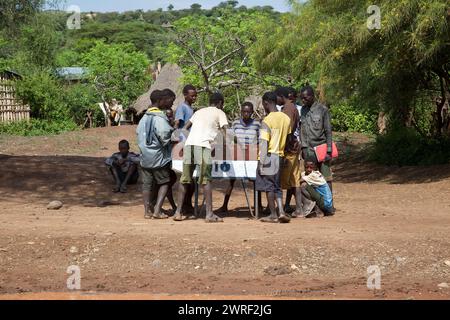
395, 218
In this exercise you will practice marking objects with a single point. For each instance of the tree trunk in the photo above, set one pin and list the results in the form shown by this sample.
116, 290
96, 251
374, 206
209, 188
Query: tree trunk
382, 122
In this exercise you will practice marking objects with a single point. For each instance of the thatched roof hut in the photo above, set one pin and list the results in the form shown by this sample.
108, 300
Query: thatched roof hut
169, 77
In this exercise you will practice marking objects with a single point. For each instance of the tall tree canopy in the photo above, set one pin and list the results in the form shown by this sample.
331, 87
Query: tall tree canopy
214, 51
390, 69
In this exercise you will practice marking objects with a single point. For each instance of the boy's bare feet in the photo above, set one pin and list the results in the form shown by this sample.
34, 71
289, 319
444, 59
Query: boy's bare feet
116, 189
123, 189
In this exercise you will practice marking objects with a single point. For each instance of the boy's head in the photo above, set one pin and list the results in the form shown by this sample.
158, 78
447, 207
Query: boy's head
247, 111
190, 94
170, 115
217, 100
155, 97
282, 95
167, 99
269, 101
292, 94
124, 147
310, 166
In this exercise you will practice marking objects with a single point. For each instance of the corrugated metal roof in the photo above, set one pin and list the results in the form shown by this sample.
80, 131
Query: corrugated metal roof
72, 73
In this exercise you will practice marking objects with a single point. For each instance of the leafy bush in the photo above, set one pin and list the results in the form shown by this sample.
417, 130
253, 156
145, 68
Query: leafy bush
406, 147
44, 94
81, 98
36, 127
345, 117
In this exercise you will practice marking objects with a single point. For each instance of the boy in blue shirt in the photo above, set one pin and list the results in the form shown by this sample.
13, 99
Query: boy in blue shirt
315, 188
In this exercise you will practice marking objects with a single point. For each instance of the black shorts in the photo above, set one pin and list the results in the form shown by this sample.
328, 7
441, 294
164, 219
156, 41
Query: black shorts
269, 180
133, 179
157, 176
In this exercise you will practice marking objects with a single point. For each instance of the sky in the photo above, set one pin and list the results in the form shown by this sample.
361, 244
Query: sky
124, 5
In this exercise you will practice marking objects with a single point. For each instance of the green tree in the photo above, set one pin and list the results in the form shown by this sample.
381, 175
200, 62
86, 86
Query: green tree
387, 70
42, 91
212, 52
196, 7
117, 71
15, 13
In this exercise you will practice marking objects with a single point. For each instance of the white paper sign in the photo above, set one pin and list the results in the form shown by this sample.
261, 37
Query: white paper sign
226, 169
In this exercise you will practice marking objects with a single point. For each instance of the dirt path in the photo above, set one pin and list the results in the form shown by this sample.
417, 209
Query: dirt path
397, 219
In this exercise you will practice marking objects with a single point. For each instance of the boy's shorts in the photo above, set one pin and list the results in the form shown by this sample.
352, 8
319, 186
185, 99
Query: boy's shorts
157, 176
122, 175
269, 182
200, 157
291, 175
311, 193
133, 179
324, 167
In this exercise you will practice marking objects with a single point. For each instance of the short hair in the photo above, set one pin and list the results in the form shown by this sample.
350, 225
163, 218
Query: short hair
282, 92
188, 88
155, 96
124, 143
216, 98
167, 93
307, 89
247, 104
311, 158
270, 97
291, 91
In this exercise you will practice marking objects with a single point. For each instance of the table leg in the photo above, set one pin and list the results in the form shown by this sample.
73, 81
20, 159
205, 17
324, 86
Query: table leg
246, 197
196, 198
256, 199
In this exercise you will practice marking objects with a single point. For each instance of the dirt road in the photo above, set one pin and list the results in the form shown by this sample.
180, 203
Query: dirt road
395, 218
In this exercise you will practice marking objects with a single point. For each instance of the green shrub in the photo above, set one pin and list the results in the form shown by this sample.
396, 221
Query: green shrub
406, 147
346, 118
44, 94
81, 98
36, 127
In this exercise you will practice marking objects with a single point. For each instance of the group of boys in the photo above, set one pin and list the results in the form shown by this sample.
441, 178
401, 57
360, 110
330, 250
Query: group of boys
287, 133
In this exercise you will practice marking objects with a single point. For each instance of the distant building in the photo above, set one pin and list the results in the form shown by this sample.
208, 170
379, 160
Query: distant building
12, 109
72, 74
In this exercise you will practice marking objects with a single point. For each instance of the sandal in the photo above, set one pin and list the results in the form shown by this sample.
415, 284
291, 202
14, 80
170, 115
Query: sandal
284, 219
160, 216
213, 219
178, 217
269, 220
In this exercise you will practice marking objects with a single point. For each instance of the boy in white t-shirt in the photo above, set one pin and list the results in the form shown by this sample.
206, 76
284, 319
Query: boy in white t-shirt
204, 127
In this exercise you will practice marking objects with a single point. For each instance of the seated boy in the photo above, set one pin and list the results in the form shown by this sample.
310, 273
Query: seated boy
315, 188
123, 167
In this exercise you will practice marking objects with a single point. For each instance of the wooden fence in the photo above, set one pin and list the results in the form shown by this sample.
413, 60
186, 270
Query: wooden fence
11, 108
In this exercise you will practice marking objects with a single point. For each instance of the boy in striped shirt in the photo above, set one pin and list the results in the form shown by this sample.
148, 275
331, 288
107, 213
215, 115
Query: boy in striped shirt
246, 132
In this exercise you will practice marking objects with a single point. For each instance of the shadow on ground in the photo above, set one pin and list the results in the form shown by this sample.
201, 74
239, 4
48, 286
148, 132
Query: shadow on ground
73, 180
353, 166
76, 181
